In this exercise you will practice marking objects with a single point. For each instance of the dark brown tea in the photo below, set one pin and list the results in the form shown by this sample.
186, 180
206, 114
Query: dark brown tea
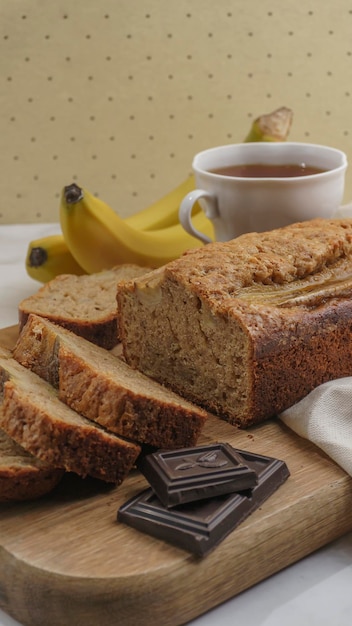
267, 170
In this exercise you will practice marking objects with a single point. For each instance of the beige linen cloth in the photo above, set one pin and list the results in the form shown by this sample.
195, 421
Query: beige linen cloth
324, 416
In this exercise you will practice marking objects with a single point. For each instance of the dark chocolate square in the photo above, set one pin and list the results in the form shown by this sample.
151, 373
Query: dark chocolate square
200, 526
189, 474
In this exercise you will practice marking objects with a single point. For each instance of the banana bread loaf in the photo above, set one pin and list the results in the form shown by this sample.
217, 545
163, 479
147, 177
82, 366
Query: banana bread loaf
23, 476
84, 304
36, 419
103, 388
248, 327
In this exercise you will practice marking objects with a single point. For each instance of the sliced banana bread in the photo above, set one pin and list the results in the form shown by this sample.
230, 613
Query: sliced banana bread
36, 419
84, 304
103, 388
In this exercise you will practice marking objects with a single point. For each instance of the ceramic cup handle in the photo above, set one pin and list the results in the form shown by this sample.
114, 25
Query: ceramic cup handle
185, 211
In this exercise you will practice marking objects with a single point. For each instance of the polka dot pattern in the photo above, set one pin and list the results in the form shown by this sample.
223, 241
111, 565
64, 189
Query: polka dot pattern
119, 96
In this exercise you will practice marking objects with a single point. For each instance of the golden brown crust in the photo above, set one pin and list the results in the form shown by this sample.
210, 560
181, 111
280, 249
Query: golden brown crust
219, 271
248, 327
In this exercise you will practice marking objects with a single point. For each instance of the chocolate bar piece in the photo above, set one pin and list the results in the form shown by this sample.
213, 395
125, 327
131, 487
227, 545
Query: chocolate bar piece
200, 526
189, 474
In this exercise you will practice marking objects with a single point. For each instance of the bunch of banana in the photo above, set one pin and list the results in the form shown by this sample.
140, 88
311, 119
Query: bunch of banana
98, 238
49, 256
95, 237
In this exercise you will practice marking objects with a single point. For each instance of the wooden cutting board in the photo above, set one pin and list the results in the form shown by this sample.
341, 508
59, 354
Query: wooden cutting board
65, 559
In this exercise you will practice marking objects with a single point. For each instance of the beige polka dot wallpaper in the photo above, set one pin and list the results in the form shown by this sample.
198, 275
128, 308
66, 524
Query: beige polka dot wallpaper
119, 95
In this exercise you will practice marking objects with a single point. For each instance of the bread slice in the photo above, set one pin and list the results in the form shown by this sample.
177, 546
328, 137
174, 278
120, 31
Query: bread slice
84, 304
37, 420
23, 476
105, 389
248, 327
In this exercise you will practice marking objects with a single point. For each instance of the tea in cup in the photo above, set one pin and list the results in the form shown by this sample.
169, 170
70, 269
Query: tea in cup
261, 186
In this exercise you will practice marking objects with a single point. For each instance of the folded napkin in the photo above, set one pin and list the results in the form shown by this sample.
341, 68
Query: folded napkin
324, 417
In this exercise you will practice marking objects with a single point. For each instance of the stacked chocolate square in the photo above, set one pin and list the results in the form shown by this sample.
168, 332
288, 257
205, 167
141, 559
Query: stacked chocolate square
199, 495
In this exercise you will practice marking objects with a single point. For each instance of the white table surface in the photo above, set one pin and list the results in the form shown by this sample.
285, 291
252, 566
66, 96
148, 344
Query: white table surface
316, 591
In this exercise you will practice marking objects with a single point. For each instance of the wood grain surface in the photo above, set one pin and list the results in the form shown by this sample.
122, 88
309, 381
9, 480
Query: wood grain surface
65, 559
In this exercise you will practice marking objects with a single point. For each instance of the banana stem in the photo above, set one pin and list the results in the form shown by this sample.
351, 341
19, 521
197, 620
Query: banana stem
38, 256
273, 126
73, 193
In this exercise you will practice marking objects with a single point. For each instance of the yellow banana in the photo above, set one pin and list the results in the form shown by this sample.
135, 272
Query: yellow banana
49, 256
164, 212
98, 238
273, 126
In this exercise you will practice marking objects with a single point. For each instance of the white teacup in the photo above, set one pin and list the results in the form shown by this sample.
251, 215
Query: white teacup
246, 200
